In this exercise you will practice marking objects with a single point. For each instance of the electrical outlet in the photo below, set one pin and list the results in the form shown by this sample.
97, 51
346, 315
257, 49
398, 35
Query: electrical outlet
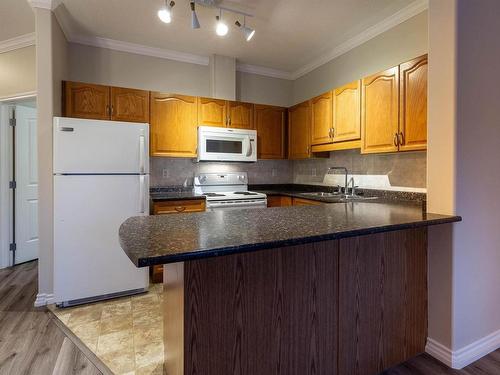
274, 172
164, 173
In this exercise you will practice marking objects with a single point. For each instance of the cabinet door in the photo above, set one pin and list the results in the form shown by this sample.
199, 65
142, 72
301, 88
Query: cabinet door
299, 131
322, 119
84, 100
240, 115
379, 112
270, 125
347, 112
129, 105
413, 105
173, 125
212, 112
278, 201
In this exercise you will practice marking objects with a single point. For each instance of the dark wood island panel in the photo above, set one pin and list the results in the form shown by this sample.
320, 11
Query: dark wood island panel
350, 306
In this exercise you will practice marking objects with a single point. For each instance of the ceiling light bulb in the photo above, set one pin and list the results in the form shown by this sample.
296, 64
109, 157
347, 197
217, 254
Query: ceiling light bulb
248, 32
221, 28
165, 14
195, 24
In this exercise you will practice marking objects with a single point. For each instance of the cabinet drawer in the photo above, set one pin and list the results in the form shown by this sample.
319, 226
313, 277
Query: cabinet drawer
177, 207
306, 202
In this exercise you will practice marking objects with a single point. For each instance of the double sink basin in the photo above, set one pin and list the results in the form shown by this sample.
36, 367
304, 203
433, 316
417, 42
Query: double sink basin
337, 197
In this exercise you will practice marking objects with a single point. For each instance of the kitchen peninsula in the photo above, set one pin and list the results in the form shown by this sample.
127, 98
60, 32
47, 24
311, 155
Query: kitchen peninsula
331, 289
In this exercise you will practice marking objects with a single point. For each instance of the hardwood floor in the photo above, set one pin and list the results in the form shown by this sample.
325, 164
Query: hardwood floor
30, 341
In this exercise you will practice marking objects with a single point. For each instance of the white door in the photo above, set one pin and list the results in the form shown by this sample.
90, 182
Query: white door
100, 147
26, 196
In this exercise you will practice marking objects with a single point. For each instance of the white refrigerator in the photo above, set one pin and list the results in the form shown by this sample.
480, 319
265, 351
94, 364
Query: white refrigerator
101, 178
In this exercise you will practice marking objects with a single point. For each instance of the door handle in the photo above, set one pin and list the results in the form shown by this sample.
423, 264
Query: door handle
396, 139
401, 138
141, 154
142, 200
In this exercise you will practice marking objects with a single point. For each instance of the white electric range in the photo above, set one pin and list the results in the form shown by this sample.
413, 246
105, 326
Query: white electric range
227, 191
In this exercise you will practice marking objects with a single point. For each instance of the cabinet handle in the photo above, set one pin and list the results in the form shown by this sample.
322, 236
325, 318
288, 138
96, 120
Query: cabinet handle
308, 148
330, 133
333, 132
180, 209
401, 138
396, 140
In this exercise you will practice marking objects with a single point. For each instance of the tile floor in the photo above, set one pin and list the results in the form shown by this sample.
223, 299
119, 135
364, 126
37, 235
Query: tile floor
125, 333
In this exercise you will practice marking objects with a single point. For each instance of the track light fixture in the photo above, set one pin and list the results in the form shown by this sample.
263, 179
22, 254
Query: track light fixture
195, 24
248, 32
165, 13
221, 28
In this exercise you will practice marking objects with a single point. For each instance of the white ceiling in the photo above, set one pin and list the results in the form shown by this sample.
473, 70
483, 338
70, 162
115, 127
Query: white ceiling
292, 36
290, 33
16, 19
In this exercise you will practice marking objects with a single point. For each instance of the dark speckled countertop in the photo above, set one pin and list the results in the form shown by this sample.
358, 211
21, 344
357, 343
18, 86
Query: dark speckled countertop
149, 240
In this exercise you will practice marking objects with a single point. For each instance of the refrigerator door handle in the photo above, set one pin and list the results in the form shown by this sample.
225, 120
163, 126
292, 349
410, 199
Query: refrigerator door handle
142, 200
142, 155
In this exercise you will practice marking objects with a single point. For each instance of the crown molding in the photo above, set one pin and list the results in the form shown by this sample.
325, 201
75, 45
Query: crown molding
263, 71
404, 14
45, 4
18, 42
138, 49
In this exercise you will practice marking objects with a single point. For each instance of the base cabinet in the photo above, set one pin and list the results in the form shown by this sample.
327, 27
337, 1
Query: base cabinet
279, 201
354, 306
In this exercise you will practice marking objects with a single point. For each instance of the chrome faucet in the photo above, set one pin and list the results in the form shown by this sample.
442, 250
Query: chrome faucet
344, 169
353, 188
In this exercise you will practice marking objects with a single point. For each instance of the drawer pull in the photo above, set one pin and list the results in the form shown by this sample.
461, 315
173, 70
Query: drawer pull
180, 209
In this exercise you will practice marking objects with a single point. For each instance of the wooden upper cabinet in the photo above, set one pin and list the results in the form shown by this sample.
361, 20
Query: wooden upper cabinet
270, 125
379, 112
321, 119
299, 131
212, 112
347, 112
413, 105
173, 129
240, 115
85, 100
129, 105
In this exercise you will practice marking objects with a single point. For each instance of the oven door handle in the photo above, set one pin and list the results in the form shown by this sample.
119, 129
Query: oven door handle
260, 202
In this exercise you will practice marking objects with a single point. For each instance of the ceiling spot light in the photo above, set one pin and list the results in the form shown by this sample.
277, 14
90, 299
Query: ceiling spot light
248, 32
165, 13
195, 24
221, 28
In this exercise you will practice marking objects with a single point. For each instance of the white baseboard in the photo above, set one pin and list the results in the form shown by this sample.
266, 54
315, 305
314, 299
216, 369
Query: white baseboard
44, 299
460, 358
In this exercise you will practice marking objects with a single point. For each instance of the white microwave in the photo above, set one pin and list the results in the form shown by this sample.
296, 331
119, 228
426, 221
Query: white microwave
225, 144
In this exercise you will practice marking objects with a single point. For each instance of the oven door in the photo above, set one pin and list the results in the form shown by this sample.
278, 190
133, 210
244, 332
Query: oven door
223, 144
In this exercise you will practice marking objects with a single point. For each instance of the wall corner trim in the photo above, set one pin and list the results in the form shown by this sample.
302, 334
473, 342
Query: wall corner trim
463, 357
17, 42
45, 4
44, 299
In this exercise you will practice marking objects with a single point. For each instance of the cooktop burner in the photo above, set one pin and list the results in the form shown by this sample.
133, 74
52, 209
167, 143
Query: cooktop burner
214, 195
245, 193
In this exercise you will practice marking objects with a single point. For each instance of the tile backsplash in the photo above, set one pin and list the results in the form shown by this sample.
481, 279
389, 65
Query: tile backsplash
406, 169
179, 171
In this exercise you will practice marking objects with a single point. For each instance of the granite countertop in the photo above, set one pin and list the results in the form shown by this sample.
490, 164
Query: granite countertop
150, 240
174, 195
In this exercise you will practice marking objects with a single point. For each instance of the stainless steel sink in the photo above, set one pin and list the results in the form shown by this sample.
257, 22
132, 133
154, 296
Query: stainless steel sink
323, 194
338, 197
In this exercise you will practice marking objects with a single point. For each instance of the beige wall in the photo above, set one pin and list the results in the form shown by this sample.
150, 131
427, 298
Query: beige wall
51, 68
17, 72
401, 43
99, 65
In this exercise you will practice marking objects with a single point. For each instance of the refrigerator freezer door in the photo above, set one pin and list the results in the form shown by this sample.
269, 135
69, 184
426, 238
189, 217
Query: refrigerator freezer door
88, 211
100, 147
